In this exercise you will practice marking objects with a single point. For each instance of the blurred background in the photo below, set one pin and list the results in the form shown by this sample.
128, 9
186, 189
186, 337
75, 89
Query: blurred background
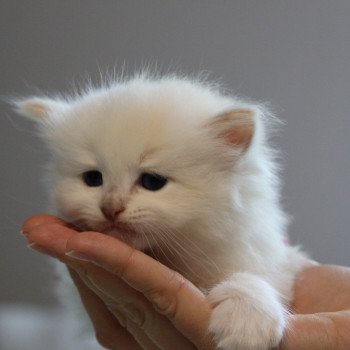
293, 53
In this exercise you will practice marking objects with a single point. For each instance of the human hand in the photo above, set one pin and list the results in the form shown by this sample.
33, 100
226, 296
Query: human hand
135, 302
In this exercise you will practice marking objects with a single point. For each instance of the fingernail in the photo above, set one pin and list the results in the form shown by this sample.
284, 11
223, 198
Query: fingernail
42, 250
77, 255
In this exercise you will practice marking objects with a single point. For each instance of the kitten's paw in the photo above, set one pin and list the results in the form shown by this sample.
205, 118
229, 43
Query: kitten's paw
247, 314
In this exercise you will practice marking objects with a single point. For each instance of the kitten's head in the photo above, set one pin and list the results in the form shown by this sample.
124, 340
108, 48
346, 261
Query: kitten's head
144, 159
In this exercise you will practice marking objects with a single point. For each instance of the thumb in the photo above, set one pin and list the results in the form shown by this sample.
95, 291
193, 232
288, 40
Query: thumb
322, 331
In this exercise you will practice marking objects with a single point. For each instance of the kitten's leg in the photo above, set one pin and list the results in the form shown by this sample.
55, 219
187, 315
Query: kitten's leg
247, 314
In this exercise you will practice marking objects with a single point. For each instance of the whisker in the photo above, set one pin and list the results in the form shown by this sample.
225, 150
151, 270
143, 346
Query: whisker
159, 237
192, 253
177, 250
145, 238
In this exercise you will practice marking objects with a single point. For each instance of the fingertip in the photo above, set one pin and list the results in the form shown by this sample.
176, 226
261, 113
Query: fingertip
38, 220
50, 237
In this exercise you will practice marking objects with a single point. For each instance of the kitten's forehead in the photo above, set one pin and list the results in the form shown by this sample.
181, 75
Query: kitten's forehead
145, 109
134, 123
152, 102
131, 131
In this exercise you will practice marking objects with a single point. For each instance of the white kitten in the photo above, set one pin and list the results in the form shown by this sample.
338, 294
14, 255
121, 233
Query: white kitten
176, 167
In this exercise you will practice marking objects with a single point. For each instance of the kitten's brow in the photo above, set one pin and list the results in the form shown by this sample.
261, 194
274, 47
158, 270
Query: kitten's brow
148, 154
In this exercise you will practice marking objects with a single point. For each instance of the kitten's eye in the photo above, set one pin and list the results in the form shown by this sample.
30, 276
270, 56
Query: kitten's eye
152, 182
93, 178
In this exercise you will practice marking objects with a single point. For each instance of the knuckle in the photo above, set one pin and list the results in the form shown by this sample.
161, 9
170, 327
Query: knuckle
116, 311
135, 314
123, 269
128, 312
166, 301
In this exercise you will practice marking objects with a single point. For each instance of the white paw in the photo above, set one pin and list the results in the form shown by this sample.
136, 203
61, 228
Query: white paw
247, 314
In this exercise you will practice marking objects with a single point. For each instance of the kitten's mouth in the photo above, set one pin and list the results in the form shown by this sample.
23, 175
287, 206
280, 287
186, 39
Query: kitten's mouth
122, 231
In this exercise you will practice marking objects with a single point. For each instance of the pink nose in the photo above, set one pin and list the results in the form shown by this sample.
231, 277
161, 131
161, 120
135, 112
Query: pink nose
111, 213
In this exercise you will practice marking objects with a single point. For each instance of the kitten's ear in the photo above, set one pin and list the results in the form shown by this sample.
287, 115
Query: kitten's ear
236, 127
38, 109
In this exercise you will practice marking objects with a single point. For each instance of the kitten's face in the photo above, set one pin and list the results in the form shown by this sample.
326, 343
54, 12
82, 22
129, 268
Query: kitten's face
129, 177
143, 165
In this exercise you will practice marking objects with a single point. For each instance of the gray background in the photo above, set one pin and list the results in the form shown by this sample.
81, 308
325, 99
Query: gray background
292, 53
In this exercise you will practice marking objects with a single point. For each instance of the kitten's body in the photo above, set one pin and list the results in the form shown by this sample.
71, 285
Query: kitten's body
217, 219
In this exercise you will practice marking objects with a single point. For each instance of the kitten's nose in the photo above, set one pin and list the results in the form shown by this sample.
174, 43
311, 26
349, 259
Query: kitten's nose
112, 213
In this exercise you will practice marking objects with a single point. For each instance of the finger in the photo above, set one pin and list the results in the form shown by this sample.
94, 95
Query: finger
121, 301
109, 332
49, 235
38, 220
147, 326
318, 332
51, 238
168, 291
331, 294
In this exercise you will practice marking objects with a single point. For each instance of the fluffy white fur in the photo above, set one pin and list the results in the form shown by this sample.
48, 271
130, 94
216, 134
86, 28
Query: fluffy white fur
218, 220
